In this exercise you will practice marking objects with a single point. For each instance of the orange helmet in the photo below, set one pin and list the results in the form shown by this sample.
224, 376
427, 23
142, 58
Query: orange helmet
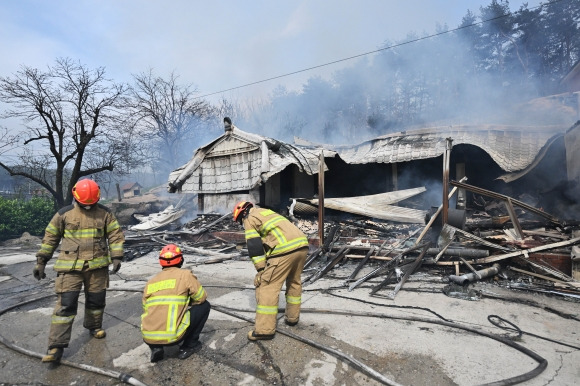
86, 192
240, 208
170, 256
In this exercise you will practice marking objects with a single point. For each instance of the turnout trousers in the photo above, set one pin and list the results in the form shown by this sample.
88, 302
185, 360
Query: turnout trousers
282, 270
198, 315
68, 286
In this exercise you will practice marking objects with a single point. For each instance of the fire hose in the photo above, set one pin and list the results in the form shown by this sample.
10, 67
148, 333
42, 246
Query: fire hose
126, 378
542, 362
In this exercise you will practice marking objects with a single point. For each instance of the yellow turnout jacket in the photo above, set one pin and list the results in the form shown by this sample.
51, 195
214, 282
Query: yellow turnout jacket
269, 234
92, 235
166, 299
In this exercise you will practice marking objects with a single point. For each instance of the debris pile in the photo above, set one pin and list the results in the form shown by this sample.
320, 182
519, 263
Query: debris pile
527, 247
199, 237
500, 239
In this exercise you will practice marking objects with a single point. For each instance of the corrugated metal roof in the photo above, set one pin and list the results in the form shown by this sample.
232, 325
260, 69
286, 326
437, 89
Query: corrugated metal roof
512, 148
241, 161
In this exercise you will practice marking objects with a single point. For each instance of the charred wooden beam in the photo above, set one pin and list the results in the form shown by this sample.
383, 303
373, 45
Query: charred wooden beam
546, 234
494, 223
526, 252
514, 218
446, 159
471, 268
390, 274
366, 226
416, 264
521, 204
374, 257
371, 252
321, 165
360, 265
205, 228
479, 240
200, 251
333, 234
384, 267
335, 259
537, 275
312, 257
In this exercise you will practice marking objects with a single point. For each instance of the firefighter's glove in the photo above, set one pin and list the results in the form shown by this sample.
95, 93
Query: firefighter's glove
38, 271
116, 265
258, 278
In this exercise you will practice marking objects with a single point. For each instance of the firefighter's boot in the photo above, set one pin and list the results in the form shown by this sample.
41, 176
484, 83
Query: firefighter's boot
98, 333
157, 354
253, 336
53, 355
290, 323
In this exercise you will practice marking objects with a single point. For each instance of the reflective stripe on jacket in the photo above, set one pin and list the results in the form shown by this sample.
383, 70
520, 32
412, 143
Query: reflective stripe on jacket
166, 298
92, 235
278, 235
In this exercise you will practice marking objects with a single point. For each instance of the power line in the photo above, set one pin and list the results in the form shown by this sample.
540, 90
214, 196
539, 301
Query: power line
375, 51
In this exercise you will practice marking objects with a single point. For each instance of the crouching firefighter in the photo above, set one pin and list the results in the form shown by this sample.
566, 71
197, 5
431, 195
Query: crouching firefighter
175, 308
278, 250
90, 240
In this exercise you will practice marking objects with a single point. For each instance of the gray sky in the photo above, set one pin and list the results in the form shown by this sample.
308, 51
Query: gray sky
216, 45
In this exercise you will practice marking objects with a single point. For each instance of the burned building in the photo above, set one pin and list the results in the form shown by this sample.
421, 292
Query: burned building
532, 152
511, 159
243, 166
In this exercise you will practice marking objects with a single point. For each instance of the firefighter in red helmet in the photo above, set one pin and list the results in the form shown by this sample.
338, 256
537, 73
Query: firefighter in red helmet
90, 240
278, 250
173, 294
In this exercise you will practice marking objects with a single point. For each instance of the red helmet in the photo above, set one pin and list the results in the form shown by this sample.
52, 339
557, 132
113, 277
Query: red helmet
170, 256
240, 208
86, 192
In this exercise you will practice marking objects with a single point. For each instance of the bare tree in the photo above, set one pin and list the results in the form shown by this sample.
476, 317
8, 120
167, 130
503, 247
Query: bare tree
5, 141
72, 126
169, 116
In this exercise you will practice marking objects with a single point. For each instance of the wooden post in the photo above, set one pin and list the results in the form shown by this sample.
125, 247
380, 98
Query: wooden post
321, 198
119, 193
461, 197
446, 156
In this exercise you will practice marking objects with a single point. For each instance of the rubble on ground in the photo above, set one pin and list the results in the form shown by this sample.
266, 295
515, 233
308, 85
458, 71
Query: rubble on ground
516, 246
26, 241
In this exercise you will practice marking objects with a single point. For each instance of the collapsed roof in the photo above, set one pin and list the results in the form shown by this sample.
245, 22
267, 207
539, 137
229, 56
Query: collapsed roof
238, 160
513, 148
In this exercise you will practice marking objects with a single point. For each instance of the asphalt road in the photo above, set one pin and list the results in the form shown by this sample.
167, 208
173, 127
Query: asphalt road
422, 337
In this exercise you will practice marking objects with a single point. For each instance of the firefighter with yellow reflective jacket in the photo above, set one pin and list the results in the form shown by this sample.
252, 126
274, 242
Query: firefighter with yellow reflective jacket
90, 240
278, 250
175, 308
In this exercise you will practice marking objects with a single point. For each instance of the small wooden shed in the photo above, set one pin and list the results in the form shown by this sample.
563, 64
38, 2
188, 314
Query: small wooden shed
131, 189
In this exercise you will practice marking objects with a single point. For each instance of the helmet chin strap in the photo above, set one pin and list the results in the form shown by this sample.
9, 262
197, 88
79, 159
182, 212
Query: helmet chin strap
243, 215
86, 207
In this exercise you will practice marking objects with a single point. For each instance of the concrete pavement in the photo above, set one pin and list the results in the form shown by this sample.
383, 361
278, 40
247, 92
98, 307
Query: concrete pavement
410, 340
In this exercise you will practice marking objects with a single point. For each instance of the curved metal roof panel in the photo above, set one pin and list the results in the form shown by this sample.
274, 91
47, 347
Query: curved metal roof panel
513, 148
